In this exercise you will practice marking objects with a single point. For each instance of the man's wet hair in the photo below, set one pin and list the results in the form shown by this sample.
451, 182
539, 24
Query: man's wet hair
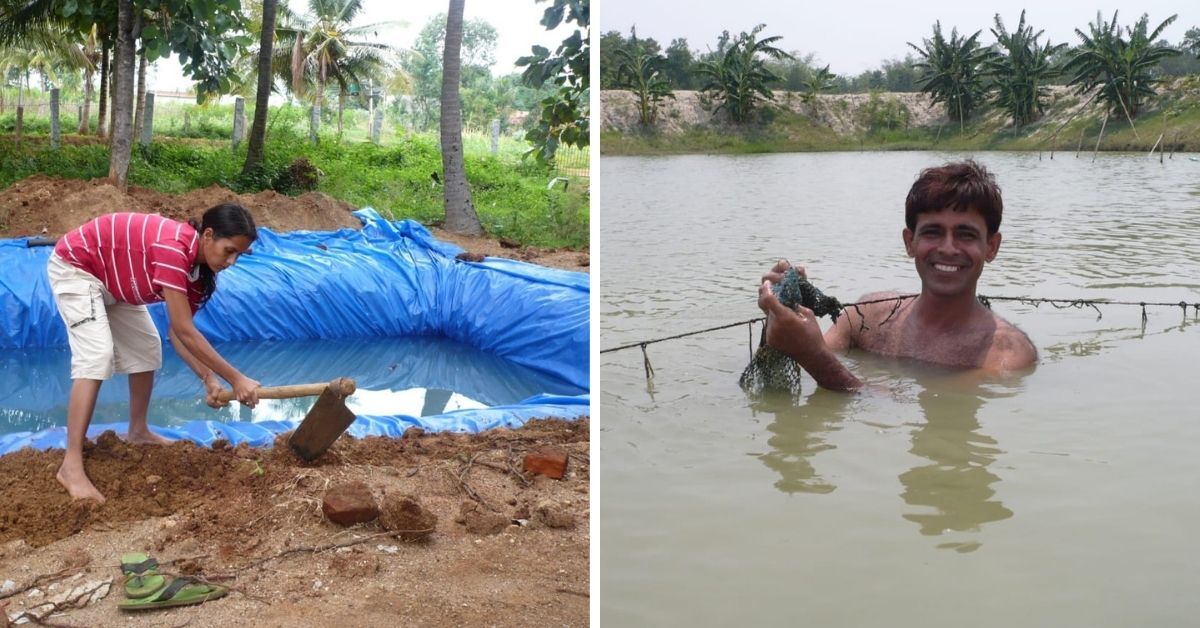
958, 185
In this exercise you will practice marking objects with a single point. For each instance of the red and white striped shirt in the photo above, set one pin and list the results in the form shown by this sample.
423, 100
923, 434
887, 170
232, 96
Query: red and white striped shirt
136, 255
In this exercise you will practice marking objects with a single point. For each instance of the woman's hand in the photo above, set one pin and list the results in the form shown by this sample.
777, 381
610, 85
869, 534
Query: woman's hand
246, 391
212, 386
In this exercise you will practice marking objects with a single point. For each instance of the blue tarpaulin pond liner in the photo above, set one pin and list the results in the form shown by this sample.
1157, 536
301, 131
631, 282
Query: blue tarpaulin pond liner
391, 279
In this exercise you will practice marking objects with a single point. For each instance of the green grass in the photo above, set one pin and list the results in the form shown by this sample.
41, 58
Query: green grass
510, 197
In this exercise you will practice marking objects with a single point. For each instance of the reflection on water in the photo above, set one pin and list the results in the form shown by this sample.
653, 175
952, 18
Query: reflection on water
414, 401
800, 432
955, 489
410, 376
1098, 341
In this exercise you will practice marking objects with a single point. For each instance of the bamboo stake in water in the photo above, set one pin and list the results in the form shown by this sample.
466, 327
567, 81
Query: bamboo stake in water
1164, 134
1102, 125
1155, 146
1128, 117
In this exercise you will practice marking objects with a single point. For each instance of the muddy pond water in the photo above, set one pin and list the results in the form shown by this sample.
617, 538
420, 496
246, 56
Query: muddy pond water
418, 376
1068, 496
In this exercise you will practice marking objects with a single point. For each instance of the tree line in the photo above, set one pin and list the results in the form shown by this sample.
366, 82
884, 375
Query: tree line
312, 51
1122, 64
315, 54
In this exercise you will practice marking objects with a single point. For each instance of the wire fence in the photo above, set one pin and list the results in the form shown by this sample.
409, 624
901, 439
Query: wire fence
573, 161
984, 299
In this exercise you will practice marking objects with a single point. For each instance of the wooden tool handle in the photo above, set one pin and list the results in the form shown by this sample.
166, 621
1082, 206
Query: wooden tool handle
342, 386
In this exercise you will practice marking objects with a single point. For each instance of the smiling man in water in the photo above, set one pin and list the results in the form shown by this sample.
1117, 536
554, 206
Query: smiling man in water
952, 217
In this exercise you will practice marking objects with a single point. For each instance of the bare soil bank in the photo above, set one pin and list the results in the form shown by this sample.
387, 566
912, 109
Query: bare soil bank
841, 122
508, 549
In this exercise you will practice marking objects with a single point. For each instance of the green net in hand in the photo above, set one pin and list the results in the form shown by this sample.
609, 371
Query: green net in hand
771, 369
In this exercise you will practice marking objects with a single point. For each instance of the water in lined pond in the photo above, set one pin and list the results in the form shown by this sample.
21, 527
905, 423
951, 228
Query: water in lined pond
409, 376
1066, 496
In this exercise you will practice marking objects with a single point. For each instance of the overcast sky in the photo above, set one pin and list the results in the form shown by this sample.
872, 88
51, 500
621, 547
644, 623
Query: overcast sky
856, 36
516, 21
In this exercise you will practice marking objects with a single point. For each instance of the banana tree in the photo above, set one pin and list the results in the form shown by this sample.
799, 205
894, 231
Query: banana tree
739, 77
1120, 62
1021, 71
952, 71
641, 73
819, 81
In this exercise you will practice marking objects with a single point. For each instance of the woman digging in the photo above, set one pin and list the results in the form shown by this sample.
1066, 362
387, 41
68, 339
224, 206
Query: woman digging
103, 274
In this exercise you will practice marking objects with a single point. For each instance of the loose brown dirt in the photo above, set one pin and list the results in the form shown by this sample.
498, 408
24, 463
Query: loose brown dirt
51, 206
250, 519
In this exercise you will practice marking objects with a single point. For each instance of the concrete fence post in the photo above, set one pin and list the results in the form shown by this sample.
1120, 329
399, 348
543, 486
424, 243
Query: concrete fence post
376, 117
148, 120
55, 127
239, 120
495, 137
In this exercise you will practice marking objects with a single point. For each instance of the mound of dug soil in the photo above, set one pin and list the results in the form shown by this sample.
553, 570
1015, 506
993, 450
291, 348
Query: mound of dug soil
251, 519
42, 205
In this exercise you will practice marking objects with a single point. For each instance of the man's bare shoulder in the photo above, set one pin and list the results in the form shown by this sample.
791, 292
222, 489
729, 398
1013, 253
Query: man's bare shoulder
879, 306
882, 294
1011, 348
874, 307
885, 300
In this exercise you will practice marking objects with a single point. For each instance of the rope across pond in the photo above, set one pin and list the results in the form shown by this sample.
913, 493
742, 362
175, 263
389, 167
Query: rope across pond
984, 299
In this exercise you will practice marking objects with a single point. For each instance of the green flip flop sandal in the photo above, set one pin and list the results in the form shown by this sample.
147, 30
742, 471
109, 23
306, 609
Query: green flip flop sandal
141, 575
180, 592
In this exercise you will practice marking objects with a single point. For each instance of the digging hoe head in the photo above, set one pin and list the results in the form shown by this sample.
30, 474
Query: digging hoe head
325, 422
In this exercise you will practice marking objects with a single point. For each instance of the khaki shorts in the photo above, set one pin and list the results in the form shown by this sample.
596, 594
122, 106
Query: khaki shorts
106, 335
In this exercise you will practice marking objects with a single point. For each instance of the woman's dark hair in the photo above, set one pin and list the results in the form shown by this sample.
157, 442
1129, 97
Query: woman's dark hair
959, 186
227, 220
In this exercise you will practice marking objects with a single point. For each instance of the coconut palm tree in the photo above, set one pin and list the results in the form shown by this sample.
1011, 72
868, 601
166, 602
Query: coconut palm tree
258, 128
121, 145
96, 20
739, 77
44, 47
47, 49
323, 47
1020, 71
952, 71
92, 54
1122, 68
460, 212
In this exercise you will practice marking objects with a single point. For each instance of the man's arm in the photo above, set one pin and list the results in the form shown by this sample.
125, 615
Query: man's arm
797, 334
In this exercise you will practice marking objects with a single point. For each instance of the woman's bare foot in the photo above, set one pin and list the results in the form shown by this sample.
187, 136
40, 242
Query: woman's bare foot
77, 484
145, 437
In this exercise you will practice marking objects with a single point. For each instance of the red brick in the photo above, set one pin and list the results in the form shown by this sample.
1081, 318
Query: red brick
350, 503
548, 461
